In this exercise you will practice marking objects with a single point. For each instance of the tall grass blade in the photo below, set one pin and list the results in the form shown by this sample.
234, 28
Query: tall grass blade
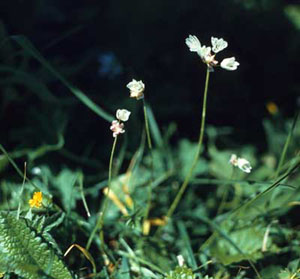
30, 48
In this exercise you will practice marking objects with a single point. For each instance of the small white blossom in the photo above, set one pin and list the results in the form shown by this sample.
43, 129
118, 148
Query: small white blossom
218, 44
136, 89
244, 165
233, 160
180, 260
193, 43
117, 128
123, 114
241, 163
230, 64
36, 171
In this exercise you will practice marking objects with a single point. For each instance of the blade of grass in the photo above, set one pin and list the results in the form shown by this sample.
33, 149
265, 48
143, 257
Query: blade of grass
154, 127
286, 145
187, 242
26, 79
21, 192
29, 47
80, 179
16, 167
125, 269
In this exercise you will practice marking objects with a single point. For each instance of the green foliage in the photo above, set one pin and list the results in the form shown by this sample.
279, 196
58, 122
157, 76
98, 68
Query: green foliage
248, 239
25, 251
229, 224
181, 272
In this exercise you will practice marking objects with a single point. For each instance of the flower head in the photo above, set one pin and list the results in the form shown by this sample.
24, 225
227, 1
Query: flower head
117, 128
136, 89
229, 64
241, 163
206, 54
123, 114
36, 200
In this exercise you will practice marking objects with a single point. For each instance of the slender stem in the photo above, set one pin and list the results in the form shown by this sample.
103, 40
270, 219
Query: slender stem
21, 192
194, 163
147, 125
100, 222
106, 196
151, 163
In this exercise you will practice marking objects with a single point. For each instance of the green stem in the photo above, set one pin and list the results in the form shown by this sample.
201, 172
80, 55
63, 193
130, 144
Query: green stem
99, 224
189, 175
151, 163
105, 205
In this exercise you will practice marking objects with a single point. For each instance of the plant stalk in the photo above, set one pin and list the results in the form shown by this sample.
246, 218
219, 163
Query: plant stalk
194, 163
105, 205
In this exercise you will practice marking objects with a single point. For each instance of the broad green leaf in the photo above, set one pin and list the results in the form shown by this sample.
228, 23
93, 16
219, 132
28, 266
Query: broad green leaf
26, 253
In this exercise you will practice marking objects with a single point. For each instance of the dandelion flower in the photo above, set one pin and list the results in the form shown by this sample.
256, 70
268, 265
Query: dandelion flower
136, 89
36, 200
123, 114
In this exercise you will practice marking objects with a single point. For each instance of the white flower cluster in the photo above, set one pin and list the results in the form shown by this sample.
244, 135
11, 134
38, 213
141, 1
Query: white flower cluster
241, 163
117, 126
207, 57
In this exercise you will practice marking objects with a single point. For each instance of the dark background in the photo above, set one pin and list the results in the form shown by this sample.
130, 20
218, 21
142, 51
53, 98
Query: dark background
101, 45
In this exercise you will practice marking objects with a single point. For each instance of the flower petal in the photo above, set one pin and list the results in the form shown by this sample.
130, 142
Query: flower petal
193, 43
230, 64
218, 44
123, 114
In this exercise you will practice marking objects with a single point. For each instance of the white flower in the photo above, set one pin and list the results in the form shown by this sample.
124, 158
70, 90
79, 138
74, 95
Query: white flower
229, 64
36, 171
136, 89
117, 128
244, 165
193, 43
241, 163
205, 53
233, 160
207, 57
180, 260
123, 114
218, 44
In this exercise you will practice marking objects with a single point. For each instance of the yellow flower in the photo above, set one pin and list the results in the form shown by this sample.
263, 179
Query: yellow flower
36, 200
272, 108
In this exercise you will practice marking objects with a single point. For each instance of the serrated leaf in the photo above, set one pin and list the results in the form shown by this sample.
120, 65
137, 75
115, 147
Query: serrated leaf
25, 252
